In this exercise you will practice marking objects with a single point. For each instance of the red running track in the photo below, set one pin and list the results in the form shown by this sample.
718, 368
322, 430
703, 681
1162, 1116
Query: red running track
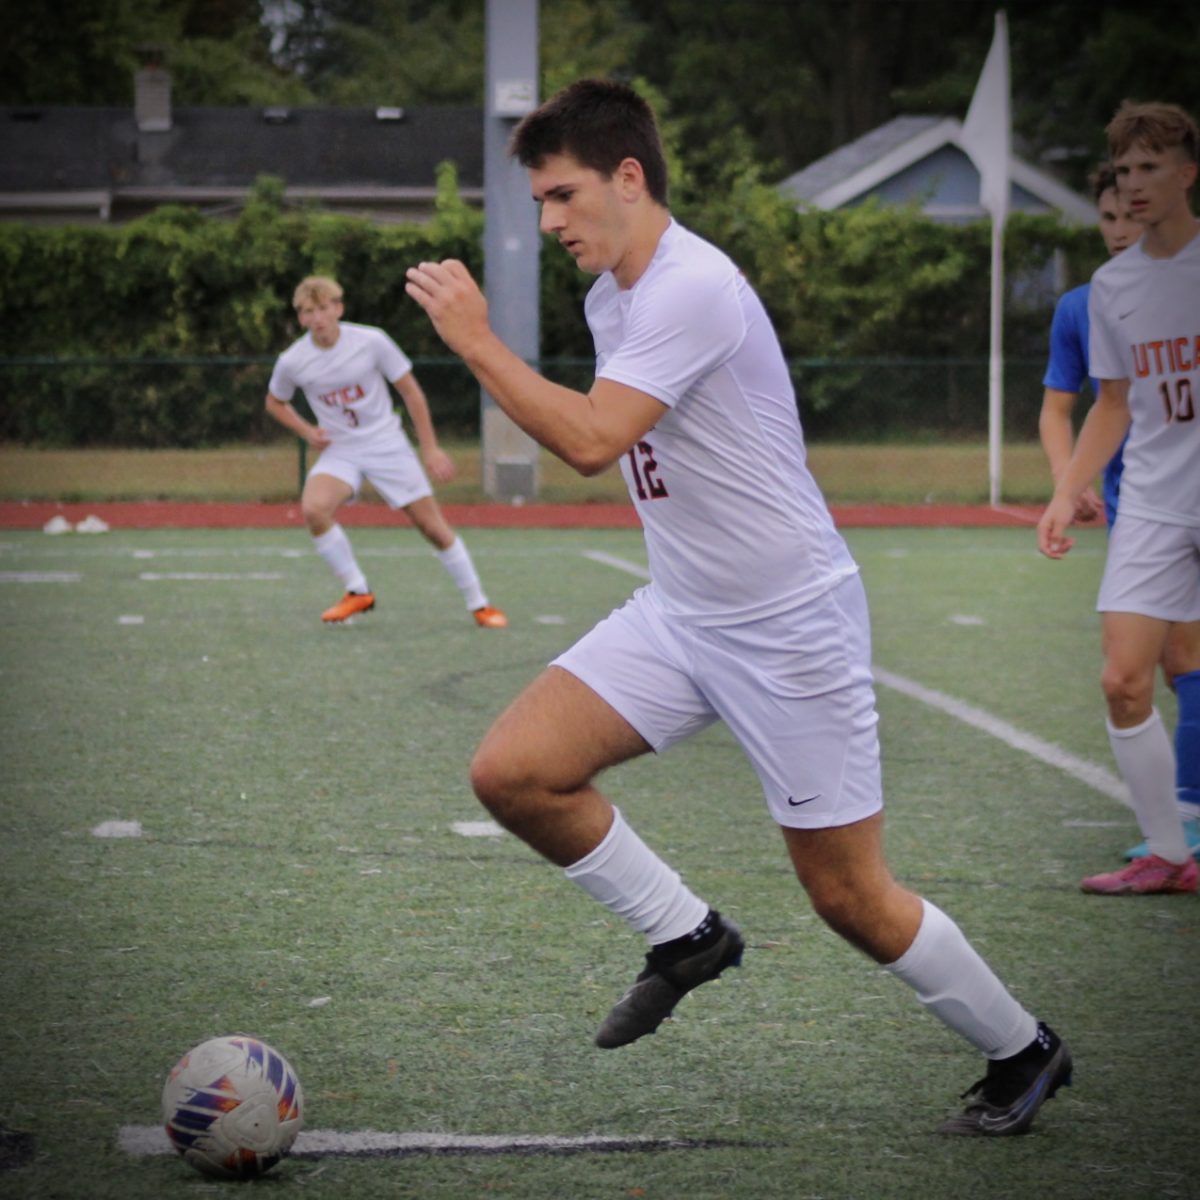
151, 514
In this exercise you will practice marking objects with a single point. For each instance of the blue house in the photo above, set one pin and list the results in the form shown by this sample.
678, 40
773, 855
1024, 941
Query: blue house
920, 160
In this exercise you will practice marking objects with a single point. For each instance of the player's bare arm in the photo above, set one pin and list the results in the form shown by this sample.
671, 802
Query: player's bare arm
437, 462
289, 418
1103, 430
1058, 437
588, 431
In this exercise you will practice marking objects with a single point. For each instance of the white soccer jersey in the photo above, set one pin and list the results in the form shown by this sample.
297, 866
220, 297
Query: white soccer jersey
1145, 327
346, 383
736, 527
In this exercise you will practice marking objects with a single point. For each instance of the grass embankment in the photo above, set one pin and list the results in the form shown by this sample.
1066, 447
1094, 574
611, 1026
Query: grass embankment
952, 473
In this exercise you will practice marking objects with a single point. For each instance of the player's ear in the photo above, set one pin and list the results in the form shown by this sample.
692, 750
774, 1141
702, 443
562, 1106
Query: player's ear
630, 178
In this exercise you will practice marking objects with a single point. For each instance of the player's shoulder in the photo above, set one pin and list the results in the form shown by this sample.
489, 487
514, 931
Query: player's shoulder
374, 335
685, 251
297, 351
359, 332
1119, 269
1071, 304
694, 271
685, 273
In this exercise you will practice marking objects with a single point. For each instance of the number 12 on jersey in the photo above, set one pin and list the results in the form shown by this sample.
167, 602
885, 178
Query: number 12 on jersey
644, 468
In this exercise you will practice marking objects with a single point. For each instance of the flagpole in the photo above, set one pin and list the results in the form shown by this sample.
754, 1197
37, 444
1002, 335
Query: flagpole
986, 138
996, 366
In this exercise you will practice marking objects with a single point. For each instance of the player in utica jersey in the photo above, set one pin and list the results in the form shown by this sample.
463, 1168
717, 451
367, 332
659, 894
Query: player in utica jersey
1065, 374
755, 614
1144, 316
343, 370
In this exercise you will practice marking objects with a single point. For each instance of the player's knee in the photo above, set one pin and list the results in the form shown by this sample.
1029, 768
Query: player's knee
317, 518
497, 782
837, 903
1127, 693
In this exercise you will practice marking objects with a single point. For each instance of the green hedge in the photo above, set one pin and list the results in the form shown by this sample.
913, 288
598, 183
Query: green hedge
162, 332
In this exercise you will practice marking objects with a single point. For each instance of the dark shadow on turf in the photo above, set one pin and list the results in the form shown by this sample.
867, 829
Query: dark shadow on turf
16, 1148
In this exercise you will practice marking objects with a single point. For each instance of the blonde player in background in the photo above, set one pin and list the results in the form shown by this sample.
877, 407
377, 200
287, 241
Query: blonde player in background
343, 370
1144, 317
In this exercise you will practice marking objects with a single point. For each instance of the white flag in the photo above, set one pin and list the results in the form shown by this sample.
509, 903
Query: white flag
987, 131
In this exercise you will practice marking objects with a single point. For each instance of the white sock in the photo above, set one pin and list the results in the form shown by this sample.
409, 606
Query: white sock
334, 547
1146, 761
461, 569
961, 990
632, 882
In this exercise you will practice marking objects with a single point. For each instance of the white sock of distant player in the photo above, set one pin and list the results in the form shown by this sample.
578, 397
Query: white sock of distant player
961, 990
632, 882
334, 547
1146, 761
461, 569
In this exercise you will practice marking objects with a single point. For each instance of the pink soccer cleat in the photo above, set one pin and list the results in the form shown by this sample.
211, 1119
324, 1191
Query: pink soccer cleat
1145, 876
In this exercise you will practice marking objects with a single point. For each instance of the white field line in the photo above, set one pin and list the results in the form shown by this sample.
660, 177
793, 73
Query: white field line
207, 576
40, 576
144, 1140
1094, 776
621, 564
477, 829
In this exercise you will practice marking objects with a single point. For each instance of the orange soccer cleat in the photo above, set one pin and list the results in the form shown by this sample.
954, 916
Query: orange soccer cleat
488, 617
350, 605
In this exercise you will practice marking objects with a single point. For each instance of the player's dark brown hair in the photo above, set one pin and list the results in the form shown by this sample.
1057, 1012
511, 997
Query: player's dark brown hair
600, 123
1102, 179
1159, 126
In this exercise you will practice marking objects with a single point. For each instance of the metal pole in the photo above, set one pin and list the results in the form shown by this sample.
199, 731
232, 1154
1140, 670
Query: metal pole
511, 241
996, 365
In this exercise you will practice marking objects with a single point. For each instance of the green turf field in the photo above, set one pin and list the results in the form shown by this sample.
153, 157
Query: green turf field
300, 877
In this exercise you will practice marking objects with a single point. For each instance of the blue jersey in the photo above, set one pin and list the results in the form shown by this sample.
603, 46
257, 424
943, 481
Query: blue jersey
1068, 368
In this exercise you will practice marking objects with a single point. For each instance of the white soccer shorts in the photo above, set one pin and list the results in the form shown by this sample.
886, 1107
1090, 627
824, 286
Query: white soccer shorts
1152, 569
795, 690
392, 468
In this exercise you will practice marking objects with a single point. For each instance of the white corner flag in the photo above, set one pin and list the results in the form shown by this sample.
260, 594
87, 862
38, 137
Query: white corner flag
987, 139
987, 131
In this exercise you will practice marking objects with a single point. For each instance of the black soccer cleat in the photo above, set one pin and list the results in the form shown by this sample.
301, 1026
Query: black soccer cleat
661, 986
1014, 1089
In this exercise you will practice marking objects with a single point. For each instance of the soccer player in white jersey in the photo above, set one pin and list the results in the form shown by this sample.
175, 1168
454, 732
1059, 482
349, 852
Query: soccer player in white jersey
1065, 373
343, 370
755, 614
1144, 314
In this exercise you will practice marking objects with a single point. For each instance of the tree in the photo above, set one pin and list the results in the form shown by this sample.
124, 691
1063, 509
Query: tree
86, 52
354, 52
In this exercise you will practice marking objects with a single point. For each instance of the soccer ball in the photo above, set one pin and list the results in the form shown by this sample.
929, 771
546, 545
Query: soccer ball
232, 1107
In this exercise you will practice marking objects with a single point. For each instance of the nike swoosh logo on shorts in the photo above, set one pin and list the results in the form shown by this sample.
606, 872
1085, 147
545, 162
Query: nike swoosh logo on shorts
806, 800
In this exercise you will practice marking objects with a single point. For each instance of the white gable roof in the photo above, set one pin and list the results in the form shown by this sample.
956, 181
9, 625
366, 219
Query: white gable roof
855, 170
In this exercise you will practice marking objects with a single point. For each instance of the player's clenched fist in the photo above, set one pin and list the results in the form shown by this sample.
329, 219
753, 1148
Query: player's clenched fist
452, 300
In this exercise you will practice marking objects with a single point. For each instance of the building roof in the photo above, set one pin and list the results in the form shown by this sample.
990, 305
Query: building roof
920, 159
77, 156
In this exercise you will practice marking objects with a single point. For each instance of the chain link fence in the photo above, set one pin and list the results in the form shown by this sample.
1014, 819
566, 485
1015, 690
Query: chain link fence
198, 402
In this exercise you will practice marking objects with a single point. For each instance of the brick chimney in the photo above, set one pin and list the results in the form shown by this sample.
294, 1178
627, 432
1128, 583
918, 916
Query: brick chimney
152, 92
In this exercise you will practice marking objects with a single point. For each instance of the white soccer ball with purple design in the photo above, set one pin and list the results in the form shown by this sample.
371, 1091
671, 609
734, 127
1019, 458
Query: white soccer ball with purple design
232, 1107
